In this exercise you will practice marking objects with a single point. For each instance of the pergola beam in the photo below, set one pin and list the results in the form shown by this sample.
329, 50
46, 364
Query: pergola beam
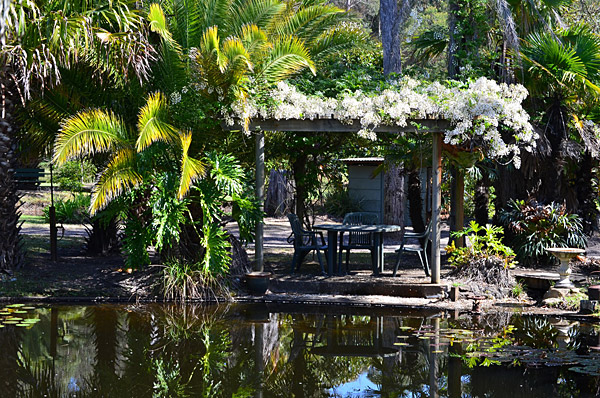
336, 126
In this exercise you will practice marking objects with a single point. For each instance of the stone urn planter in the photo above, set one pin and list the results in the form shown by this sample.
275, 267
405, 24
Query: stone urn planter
564, 255
258, 282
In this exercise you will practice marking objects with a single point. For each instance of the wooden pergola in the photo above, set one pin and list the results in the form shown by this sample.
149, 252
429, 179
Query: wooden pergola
329, 125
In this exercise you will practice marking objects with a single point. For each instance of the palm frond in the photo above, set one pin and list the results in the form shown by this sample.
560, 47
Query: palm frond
336, 40
571, 60
238, 58
430, 44
191, 169
88, 133
120, 174
254, 39
152, 124
252, 12
171, 68
213, 13
158, 22
308, 23
288, 56
211, 47
187, 22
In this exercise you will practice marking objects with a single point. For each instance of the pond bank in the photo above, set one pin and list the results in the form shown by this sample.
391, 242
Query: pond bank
335, 303
78, 278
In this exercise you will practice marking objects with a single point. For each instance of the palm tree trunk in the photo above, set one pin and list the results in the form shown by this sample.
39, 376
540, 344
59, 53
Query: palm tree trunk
482, 200
10, 255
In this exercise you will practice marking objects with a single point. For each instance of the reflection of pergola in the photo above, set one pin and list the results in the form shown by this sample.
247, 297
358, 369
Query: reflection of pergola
436, 127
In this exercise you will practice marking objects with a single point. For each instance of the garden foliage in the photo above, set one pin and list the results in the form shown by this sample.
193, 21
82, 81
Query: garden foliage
483, 242
534, 226
70, 211
485, 260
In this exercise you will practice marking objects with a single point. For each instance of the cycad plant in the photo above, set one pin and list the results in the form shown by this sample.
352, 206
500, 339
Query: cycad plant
533, 227
562, 72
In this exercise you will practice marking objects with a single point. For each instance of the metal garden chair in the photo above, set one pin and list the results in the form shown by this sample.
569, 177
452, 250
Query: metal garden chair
304, 242
421, 250
358, 240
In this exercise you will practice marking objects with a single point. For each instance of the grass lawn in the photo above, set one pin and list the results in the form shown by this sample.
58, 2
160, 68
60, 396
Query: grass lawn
31, 219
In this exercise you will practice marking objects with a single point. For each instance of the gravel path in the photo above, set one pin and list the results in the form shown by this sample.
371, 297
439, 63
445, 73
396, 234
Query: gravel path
67, 230
277, 231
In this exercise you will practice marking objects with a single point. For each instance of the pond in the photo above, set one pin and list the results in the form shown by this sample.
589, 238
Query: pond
259, 351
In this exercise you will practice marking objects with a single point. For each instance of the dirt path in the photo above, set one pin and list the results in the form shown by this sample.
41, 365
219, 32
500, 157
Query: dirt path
67, 230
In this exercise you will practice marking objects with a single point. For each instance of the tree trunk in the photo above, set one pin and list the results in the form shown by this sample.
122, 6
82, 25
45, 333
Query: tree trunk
392, 16
390, 36
586, 194
10, 255
395, 197
453, 65
102, 237
299, 170
482, 200
415, 202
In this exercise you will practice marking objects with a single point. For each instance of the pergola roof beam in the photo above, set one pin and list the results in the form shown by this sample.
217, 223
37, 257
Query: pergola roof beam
336, 126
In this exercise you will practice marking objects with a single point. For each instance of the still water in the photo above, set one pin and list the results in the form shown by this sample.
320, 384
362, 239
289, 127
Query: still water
259, 351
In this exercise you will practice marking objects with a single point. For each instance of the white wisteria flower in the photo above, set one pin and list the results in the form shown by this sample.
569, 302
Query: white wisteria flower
478, 113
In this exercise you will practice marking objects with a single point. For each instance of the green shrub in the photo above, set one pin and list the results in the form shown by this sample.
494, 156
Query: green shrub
70, 211
73, 174
533, 227
485, 242
341, 202
485, 262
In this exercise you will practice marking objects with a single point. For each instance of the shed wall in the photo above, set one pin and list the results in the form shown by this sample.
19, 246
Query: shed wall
363, 185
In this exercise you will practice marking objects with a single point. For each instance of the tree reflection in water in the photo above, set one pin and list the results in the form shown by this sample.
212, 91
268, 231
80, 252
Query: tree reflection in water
248, 351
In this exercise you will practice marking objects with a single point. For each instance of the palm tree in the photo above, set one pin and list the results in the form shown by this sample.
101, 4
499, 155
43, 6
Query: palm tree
266, 41
102, 132
562, 72
40, 39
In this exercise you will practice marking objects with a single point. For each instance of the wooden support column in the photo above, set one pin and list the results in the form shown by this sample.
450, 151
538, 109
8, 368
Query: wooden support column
460, 205
436, 207
260, 195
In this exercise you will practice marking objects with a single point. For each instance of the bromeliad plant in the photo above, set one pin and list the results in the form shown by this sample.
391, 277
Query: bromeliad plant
534, 227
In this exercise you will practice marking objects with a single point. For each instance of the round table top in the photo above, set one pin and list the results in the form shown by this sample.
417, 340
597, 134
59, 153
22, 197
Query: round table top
358, 228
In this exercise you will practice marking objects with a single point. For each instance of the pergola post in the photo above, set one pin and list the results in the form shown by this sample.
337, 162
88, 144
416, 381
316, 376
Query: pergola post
436, 206
260, 195
459, 222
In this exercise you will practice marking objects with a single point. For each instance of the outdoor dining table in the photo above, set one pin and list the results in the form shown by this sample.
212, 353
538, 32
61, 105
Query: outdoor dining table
332, 238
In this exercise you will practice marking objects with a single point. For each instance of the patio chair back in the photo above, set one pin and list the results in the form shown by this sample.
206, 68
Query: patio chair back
296, 229
360, 218
421, 248
305, 242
